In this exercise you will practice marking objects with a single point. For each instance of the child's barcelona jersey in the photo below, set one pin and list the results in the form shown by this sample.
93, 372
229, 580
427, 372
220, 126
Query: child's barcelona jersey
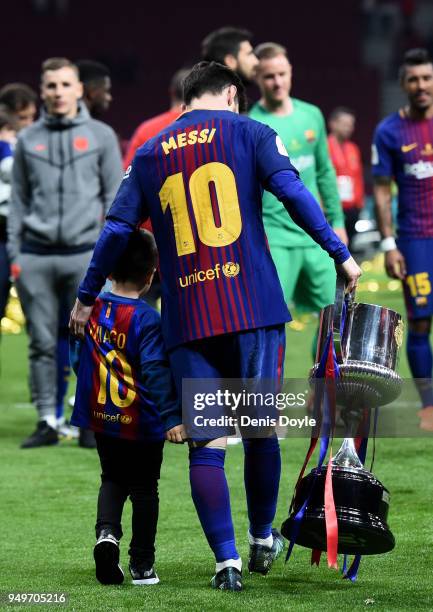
123, 343
200, 182
403, 149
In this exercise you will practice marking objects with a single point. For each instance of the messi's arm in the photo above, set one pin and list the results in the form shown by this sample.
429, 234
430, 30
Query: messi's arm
128, 210
306, 212
278, 176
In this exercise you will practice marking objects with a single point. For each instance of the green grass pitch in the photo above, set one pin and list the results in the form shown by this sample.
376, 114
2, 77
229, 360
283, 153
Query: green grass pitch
47, 510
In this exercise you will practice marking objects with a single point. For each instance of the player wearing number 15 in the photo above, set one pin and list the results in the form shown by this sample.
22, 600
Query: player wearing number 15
403, 149
223, 312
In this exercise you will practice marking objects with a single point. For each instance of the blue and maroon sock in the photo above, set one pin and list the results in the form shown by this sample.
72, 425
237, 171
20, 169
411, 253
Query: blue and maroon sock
262, 470
211, 498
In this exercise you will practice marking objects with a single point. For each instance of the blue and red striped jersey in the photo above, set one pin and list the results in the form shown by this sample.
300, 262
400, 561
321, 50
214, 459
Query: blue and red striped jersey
201, 182
123, 337
403, 149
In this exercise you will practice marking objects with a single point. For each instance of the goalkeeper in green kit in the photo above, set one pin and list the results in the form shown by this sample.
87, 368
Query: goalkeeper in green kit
306, 272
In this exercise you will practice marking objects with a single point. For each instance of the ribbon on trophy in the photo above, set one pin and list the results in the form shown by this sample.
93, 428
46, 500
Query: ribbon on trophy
341, 506
324, 412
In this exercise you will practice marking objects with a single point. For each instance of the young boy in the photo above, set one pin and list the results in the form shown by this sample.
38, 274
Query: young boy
125, 395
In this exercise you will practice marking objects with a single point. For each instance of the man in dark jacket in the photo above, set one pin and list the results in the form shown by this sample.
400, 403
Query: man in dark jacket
67, 168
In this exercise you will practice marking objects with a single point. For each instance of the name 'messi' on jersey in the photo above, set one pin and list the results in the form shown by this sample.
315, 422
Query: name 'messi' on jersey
188, 138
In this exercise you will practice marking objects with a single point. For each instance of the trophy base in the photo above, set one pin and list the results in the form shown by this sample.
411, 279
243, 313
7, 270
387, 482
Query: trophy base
361, 504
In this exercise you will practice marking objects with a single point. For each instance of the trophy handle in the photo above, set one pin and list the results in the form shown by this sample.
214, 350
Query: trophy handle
337, 328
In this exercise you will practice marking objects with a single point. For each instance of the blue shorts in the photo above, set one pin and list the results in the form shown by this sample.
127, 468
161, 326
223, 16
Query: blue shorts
256, 353
417, 286
253, 354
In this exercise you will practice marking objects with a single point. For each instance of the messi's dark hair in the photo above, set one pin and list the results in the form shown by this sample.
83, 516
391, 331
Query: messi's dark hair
211, 77
138, 260
222, 42
414, 57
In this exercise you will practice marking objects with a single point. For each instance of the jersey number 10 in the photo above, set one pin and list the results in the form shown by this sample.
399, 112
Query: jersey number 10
104, 374
173, 195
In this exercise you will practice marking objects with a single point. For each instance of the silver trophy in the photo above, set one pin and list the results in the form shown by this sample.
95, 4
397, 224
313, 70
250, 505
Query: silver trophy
367, 339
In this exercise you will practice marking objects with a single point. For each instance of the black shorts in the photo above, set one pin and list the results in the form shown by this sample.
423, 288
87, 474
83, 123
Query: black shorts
128, 462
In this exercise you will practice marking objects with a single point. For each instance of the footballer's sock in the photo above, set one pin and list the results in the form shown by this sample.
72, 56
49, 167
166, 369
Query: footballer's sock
63, 370
419, 355
211, 498
262, 541
262, 471
237, 563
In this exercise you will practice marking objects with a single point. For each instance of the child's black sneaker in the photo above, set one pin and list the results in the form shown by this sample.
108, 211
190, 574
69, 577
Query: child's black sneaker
106, 554
227, 579
142, 574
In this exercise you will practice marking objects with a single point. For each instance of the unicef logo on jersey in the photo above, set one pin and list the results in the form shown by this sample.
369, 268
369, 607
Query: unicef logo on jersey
231, 269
